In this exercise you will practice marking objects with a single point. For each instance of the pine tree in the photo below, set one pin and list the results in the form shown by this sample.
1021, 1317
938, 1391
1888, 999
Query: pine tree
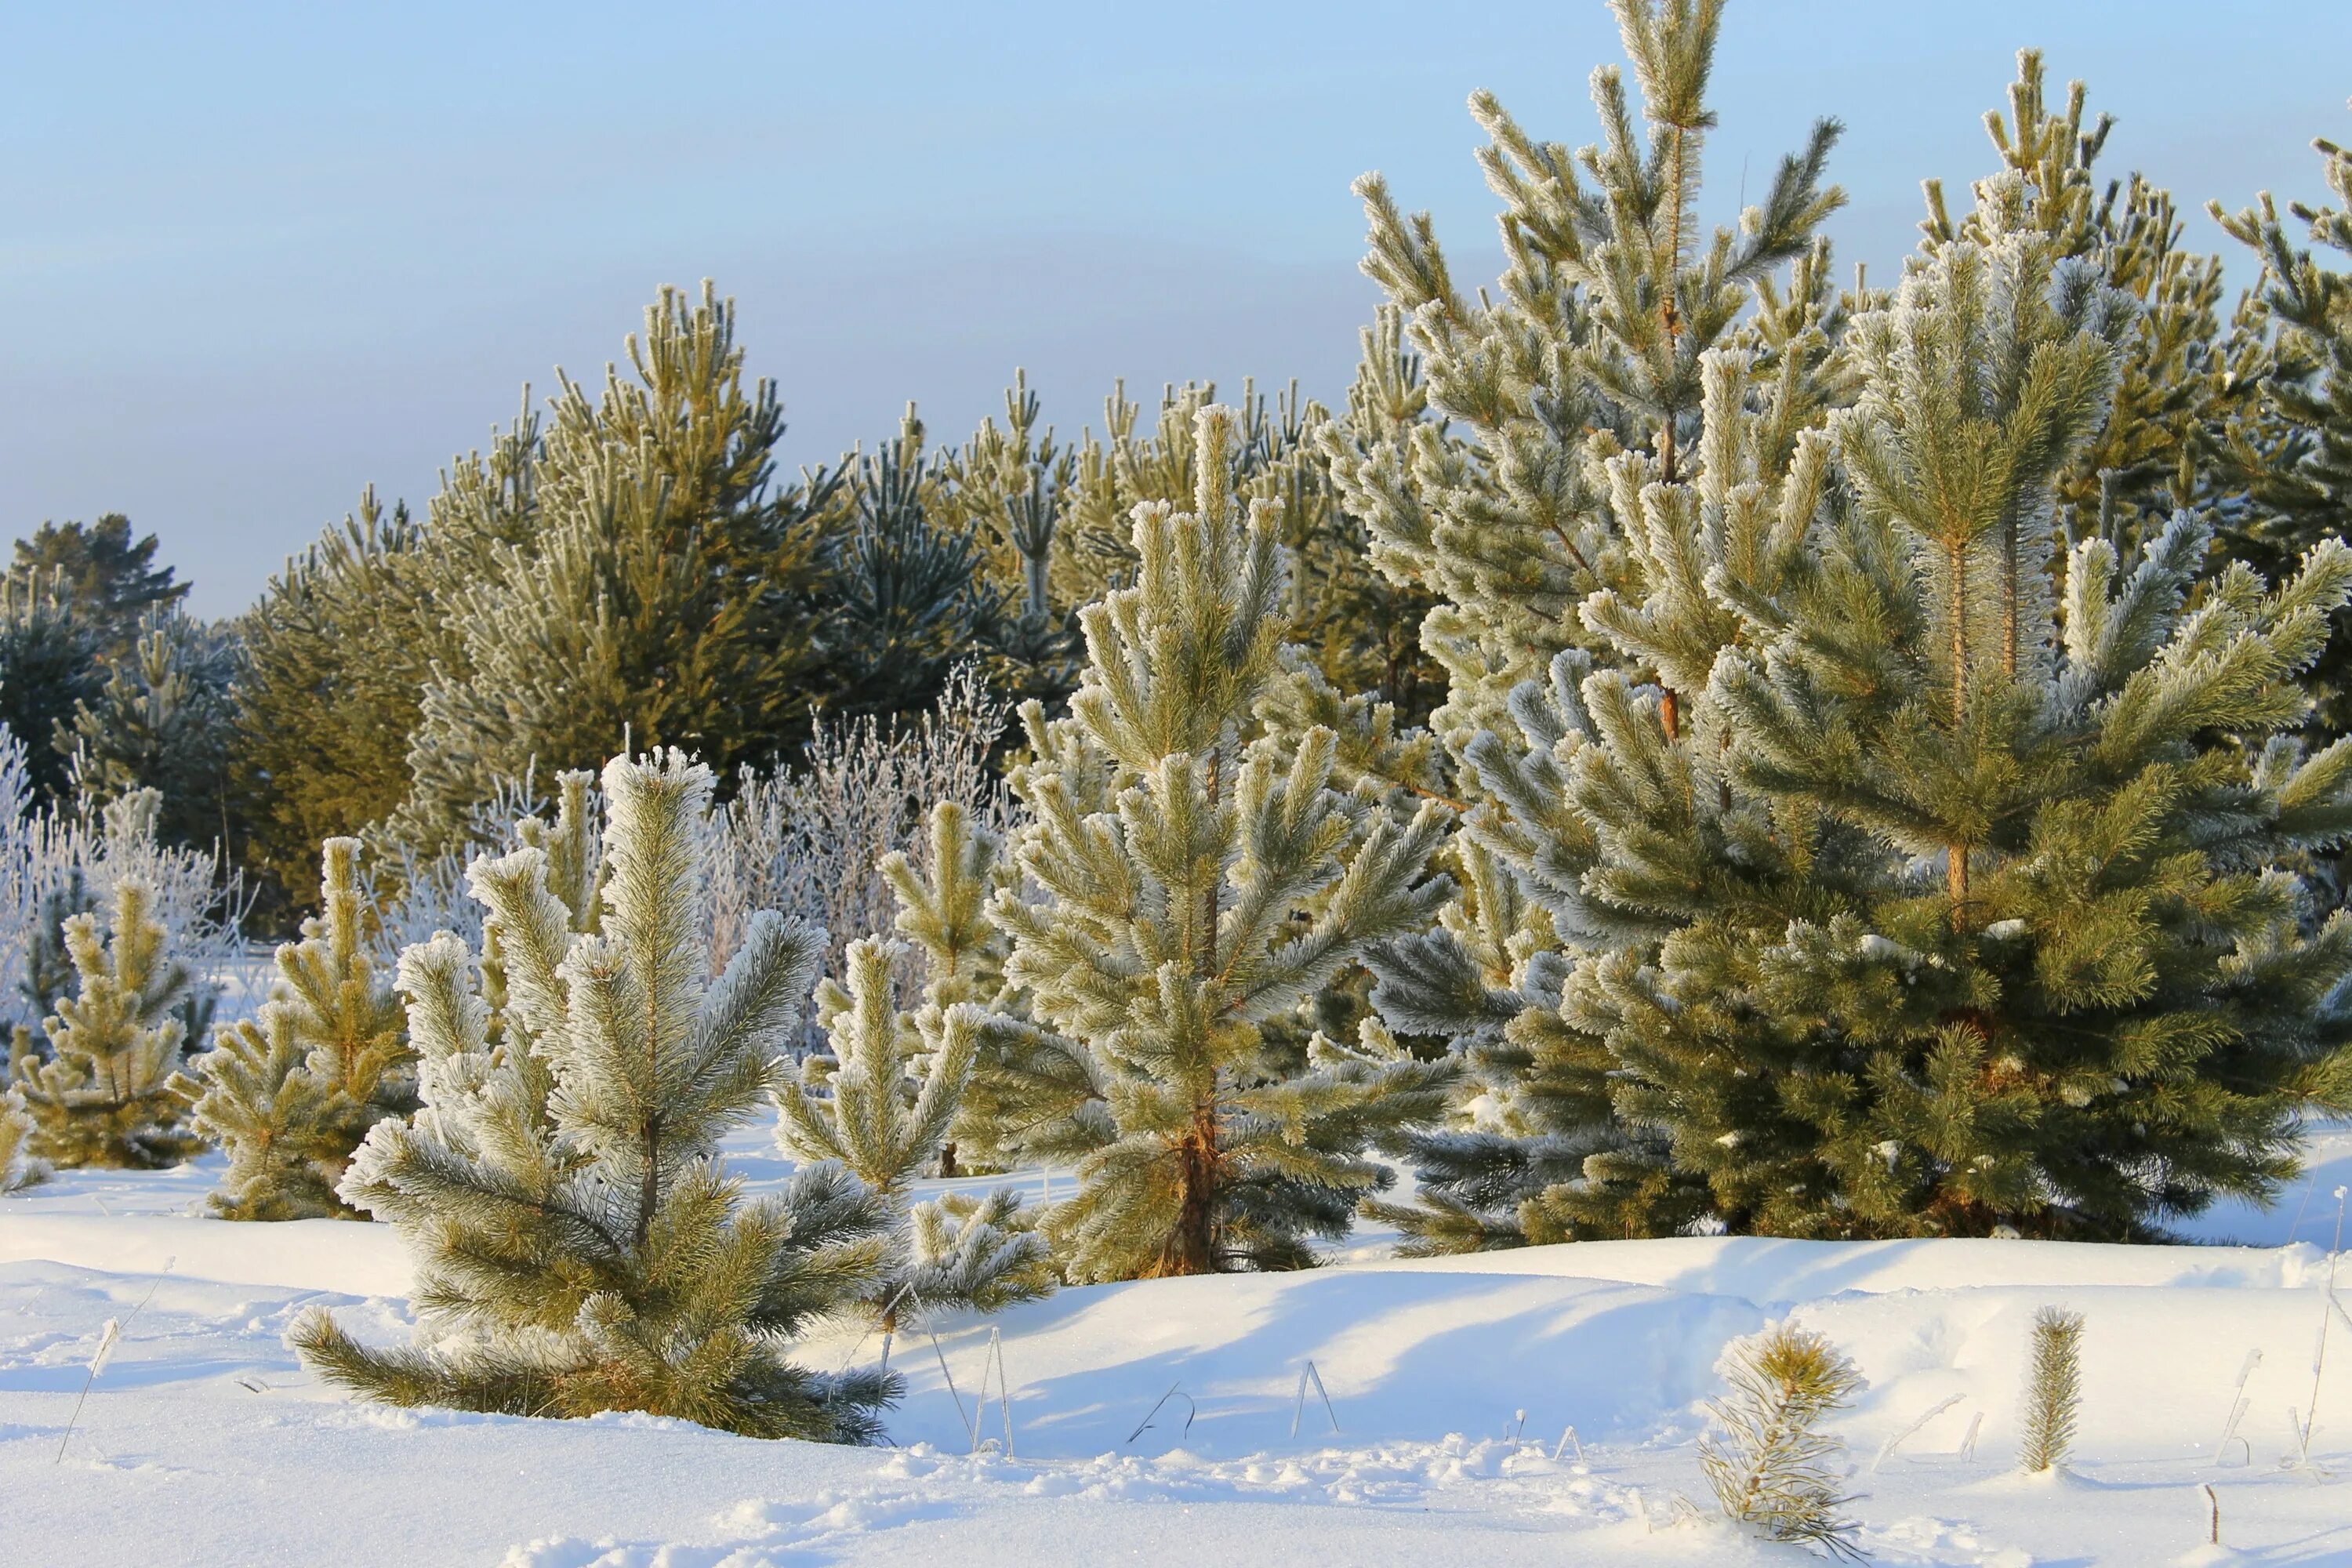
49, 665
104, 1096
944, 913
581, 1246
907, 598
2054, 985
162, 721
342, 645
1192, 889
2293, 449
291, 1093
1771, 1468
2054, 1390
1560, 504
111, 578
2175, 377
881, 1105
657, 587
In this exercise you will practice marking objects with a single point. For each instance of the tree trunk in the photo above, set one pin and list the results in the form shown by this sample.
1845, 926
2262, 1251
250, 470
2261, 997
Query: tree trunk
1192, 1249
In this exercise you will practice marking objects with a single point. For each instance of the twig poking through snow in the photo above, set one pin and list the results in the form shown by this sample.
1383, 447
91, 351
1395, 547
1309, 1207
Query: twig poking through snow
108, 1337
1911, 1431
2327, 1311
1191, 1410
1299, 1408
2213, 1537
994, 1362
950, 1378
2239, 1403
1568, 1439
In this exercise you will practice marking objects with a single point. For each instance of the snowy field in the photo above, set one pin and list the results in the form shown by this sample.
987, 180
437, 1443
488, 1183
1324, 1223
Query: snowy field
1452, 1382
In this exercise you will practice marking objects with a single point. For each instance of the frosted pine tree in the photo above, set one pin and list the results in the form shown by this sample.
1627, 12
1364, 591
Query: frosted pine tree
162, 722
1772, 1466
579, 1246
882, 1105
2291, 448
2075, 998
657, 585
1022, 1075
104, 1095
1194, 887
1607, 432
291, 1094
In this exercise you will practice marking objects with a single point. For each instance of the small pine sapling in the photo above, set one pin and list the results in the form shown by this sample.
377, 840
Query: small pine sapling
2054, 1390
881, 1106
579, 1246
1772, 1467
105, 1096
1195, 882
943, 911
290, 1093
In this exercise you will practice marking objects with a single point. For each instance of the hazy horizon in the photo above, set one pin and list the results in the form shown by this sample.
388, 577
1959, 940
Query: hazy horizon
257, 264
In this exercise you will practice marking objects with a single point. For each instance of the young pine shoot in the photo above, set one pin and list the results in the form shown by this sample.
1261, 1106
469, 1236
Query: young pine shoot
1772, 1467
2054, 1390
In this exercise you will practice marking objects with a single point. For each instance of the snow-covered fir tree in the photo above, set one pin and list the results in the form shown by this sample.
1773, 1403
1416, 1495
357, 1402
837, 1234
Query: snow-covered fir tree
1195, 880
290, 1094
579, 1246
104, 1095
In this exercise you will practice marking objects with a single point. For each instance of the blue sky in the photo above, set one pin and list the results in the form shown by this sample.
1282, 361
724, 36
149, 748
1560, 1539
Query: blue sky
255, 256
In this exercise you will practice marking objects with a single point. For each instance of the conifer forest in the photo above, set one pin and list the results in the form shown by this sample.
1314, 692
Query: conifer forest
1707, 922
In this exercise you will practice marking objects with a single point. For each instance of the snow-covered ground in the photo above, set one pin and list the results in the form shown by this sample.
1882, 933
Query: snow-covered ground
1453, 1384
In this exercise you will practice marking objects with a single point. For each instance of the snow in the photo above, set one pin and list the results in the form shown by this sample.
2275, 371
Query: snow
1451, 1380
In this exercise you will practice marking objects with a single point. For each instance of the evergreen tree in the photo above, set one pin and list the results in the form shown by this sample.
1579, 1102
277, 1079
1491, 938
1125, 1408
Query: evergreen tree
104, 1096
112, 579
662, 592
291, 1093
2054, 1390
1773, 1469
2292, 449
1557, 499
49, 976
581, 1246
907, 598
1699, 964
163, 720
2109, 1013
2009, 953
1193, 887
881, 1105
944, 913
340, 646
49, 665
